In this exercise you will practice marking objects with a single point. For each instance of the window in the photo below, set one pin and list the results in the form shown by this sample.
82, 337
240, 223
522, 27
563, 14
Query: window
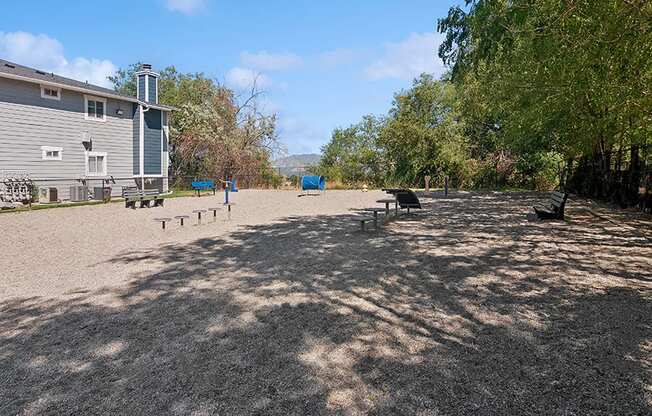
51, 93
95, 108
95, 164
51, 153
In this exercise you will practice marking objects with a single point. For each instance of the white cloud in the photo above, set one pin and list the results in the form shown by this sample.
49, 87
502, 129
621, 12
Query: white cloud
337, 57
95, 71
45, 53
244, 78
266, 61
300, 136
408, 58
185, 6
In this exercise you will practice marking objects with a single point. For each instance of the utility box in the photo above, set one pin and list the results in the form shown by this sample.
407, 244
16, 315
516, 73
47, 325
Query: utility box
48, 195
78, 193
101, 193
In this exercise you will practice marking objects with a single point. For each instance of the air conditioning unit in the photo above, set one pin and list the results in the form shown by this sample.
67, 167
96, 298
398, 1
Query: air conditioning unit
78, 193
101, 193
47, 195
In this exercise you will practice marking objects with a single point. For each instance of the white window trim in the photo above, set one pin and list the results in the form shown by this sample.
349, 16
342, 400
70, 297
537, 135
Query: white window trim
163, 153
49, 97
45, 149
88, 98
105, 164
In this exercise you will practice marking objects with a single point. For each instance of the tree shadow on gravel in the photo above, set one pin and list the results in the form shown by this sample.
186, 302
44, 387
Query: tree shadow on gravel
463, 309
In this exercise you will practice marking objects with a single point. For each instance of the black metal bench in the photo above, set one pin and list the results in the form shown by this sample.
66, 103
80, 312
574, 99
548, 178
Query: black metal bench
144, 197
556, 209
408, 199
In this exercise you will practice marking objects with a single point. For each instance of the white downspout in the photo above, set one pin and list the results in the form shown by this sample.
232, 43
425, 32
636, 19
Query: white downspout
142, 145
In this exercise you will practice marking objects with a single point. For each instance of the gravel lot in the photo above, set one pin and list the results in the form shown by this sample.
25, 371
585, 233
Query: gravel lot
467, 308
56, 251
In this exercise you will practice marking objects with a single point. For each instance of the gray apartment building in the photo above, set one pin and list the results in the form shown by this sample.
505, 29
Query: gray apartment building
67, 135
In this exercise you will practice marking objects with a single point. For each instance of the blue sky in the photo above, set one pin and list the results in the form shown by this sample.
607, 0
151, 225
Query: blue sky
322, 64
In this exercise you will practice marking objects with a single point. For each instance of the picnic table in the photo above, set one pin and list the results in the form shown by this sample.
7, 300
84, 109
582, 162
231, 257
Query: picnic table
375, 211
388, 201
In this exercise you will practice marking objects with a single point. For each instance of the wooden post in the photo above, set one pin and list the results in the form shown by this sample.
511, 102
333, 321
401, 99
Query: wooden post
446, 186
427, 179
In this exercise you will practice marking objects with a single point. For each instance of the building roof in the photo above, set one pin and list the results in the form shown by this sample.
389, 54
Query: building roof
24, 73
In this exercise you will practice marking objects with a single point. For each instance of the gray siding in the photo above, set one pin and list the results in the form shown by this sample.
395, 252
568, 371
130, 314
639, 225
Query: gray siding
136, 139
152, 142
28, 122
141, 87
152, 89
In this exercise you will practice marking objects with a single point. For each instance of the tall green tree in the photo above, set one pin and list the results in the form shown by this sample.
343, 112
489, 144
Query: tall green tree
568, 76
423, 135
353, 154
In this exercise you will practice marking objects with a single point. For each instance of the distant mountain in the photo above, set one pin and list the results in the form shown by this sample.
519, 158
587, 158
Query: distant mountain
296, 164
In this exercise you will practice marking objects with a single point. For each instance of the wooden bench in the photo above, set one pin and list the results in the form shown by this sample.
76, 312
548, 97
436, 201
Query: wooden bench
144, 197
203, 186
556, 209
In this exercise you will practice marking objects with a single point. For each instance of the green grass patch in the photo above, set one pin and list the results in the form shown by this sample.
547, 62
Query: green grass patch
181, 193
176, 193
36, 207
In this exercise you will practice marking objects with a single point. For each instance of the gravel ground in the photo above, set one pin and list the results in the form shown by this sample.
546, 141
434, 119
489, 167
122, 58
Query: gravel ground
467, 308
54, 251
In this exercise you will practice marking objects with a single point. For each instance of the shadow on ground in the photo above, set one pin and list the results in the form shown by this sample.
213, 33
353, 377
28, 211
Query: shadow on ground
463, 309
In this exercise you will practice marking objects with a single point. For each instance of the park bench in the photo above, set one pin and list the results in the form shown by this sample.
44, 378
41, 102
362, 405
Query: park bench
144, 196
556, 209
408, 199
199, 186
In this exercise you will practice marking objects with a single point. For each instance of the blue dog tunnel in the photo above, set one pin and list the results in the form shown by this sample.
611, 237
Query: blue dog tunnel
309, 183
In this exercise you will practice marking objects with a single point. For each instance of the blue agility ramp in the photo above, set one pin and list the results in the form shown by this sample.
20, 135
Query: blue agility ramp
313, 183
